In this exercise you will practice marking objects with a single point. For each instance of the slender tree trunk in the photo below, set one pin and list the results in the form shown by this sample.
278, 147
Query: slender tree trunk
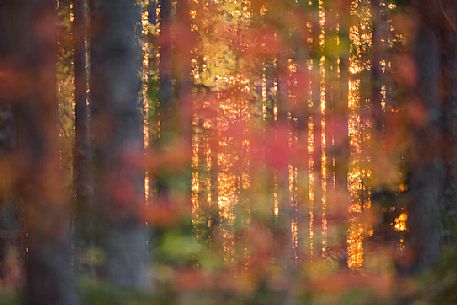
185, 43
448, 43
167, 110
342, 146
376, 73
49, 273
117, 126
331, 100
9, 221
377, 80
82, 178
302, 113
317, 117
165, 65
283, 127
184, 81
427, 167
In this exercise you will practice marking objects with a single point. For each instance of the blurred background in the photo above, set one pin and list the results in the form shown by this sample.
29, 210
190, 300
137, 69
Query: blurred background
228, 152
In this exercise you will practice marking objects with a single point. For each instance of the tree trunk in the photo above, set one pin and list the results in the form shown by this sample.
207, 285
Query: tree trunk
167, 109
184, 83
165, 66
117, 126
376, 73
317, 117
427, 166
183, 57
342, 146
82, 178
331, 99
9, 221
448, 43
49, 274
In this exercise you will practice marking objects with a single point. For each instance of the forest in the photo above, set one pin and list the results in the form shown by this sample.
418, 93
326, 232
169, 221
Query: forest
248, 152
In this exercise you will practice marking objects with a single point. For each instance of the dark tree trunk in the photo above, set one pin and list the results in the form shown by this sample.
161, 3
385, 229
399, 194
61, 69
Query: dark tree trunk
376, 72
302, 113
448, 43
82, 178
376, 95
284, 212
49, 274
165, 66
282, 130
117, 126
167, 110
427, 167
183, 58
9, 221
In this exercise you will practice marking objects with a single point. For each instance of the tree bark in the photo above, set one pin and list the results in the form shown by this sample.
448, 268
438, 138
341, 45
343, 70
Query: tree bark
167, 110
427, 176
9, 221
376, 73
184, 81
82, 178
448, 43
49, 274
117, 126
